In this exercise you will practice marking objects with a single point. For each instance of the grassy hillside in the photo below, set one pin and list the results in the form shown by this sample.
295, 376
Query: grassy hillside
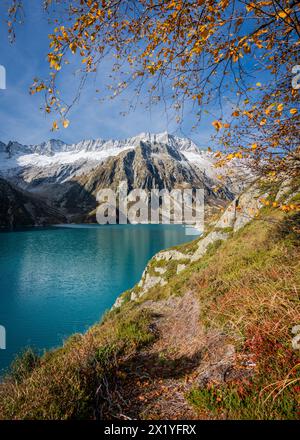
214, 342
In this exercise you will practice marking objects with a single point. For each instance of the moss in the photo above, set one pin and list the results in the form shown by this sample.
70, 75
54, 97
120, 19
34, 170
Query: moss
135, 330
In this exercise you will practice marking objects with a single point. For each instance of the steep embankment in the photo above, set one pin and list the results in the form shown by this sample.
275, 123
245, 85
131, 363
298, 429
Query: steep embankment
19, 208
205, 334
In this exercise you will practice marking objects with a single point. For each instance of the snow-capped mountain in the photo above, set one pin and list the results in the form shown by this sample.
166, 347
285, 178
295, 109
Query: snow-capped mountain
58, 150
64, 161
68, 176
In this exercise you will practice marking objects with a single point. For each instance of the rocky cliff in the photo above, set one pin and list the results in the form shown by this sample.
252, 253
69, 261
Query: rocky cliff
19, 208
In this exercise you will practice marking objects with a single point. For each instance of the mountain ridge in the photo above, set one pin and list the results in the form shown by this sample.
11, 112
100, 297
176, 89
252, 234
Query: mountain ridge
68, 176
53, 146
17, 159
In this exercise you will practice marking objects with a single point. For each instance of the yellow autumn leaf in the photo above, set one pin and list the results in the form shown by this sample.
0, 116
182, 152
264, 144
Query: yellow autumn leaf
282, 14
217, 125
247, 48
293, 111
73, 47
204, 34
258, 84
250, 6
254, 146
280, 107
66, 123
269, 109
55, 126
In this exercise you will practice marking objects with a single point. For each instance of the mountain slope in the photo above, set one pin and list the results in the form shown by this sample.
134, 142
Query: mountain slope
69, 176
57, 162
19, 208
147, 166
55, 153
150, 166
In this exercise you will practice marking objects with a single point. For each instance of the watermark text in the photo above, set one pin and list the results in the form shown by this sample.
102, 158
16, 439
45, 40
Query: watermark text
296, 77
2, 338
2, 78
140, 206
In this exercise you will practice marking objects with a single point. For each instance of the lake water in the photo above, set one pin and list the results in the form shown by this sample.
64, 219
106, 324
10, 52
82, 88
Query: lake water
60, 280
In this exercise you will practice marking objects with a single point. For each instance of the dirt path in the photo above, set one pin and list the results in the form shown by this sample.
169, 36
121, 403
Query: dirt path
153, 383
157, 379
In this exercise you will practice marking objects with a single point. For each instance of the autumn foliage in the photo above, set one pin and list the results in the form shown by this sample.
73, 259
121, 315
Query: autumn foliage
231, 58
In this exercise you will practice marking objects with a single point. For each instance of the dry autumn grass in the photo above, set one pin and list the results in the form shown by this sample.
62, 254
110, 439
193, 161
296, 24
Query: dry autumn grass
250, 289
146, 359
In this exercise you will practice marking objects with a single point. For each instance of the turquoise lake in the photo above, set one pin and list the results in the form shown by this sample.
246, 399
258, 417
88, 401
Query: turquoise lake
60, 280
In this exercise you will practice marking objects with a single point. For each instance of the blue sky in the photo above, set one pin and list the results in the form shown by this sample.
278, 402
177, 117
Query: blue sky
21, 117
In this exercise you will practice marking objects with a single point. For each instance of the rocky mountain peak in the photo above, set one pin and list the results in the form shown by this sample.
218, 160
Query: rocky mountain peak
160, 149
14, 147
179, 143
55, 146
49, 147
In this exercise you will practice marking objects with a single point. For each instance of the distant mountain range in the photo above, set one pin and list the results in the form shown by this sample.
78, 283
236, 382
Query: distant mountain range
67, 177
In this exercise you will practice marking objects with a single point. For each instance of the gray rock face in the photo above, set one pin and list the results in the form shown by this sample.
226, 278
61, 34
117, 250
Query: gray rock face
60, 172
150, 281
180, 268
150, 166
243, 209
228, 219
160, 270
285, 187
240, 212
248, 206
211, 238
19, 208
